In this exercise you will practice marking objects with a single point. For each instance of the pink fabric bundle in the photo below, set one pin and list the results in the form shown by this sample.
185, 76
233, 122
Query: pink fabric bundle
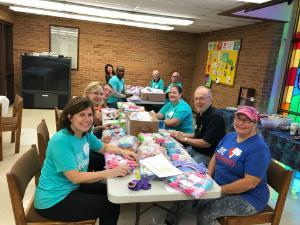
191, 183
113, 161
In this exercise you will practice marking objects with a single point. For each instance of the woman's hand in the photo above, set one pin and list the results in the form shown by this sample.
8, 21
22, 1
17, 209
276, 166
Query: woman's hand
129, 154
119, 171
106, 139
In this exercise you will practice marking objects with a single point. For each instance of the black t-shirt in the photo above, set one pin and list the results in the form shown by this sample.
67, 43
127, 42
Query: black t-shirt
211, 128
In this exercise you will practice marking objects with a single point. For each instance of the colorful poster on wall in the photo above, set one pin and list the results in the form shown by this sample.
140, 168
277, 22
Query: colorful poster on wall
207, 81
222, 61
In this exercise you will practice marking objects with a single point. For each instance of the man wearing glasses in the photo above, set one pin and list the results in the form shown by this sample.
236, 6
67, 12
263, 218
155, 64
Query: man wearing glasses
174, 81
209, 130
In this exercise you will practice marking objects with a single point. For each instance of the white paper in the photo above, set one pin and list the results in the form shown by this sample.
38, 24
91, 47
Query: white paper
160, 166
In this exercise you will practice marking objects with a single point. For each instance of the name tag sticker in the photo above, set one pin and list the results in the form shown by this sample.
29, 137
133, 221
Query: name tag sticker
171, 114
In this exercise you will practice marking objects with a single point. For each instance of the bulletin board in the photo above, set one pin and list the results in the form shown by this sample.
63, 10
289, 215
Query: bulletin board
64, 41
222, 61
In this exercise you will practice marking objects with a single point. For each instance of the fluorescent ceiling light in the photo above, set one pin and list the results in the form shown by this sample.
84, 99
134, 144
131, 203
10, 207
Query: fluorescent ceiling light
102, 12
254, 1
89, 18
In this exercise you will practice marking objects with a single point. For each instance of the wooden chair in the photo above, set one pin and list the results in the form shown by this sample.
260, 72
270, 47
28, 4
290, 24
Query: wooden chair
24, 169
279, 179
13, 124
57, 114
42, 138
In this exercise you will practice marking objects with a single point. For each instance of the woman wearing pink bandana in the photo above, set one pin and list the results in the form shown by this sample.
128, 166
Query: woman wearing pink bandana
239, 165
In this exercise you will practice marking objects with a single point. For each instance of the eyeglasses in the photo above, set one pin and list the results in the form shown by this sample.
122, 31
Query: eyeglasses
200, 98
245, 120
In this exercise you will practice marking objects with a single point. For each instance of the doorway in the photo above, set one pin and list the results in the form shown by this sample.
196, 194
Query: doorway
6, 61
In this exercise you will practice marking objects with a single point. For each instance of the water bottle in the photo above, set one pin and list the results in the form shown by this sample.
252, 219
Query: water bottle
161, 124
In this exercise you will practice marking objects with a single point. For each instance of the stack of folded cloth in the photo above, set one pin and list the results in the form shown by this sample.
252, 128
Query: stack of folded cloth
113, 161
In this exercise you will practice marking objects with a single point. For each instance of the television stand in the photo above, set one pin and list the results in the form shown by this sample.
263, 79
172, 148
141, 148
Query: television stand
44, 100
46, 81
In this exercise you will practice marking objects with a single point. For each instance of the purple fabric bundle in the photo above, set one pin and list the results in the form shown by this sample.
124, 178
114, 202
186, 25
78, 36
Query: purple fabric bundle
190, 166
136, 185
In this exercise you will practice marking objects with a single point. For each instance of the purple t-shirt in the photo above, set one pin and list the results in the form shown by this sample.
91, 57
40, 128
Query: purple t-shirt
251, 157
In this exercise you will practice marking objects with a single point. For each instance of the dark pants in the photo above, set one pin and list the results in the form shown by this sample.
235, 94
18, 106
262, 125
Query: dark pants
88, 202
96, 161
98, 132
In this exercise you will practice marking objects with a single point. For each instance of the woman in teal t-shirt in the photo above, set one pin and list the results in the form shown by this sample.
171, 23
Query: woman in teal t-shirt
157, 82
177, 114
66, 191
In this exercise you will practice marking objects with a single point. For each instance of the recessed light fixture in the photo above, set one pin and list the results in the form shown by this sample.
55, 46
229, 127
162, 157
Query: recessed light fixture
89, 18
99, 12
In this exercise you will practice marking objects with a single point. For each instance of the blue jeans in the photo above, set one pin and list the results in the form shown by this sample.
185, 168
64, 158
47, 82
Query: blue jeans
227, 205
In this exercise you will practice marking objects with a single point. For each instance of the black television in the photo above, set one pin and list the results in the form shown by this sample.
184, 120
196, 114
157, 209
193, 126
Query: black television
44, 73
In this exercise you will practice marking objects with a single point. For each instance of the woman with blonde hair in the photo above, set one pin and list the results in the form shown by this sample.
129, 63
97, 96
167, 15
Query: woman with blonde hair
94, 92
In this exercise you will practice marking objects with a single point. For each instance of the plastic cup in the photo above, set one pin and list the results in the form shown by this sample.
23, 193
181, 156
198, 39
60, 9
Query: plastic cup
294, 128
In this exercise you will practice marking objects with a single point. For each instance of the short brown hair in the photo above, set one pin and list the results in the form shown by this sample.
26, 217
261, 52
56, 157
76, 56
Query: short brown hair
74, 106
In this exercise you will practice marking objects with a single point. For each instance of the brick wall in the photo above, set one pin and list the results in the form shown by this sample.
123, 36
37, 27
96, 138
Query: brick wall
139, 50
142, 50
256, 64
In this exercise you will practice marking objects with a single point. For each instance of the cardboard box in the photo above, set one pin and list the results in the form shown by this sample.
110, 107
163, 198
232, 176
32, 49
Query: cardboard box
134, 127
153, 97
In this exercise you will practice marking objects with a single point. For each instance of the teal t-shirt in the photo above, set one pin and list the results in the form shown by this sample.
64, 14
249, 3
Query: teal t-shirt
181, 111
119, 86
157, 85
65, 152
172, 84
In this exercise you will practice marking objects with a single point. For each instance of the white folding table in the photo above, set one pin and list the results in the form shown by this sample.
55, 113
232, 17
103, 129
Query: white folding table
5, 104
149, 103
118, 192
